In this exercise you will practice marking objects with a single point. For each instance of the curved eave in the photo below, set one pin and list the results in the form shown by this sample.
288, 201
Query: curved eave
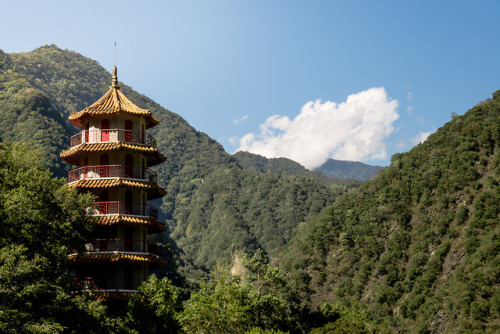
152, 224
107, 295
154, 191
113, 102
117, 257
75, 154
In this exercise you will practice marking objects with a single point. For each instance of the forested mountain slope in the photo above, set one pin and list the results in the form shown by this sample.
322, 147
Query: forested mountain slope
348, 169
39, 89
233, 210
27, 114
258, 163
418, 246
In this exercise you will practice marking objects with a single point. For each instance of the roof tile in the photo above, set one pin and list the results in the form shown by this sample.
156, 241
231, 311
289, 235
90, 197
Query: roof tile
111, 103
118, 219
117, 257
150, 187
73, 155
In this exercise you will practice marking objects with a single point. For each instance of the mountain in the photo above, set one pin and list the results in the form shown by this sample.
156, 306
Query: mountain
258, 163
26, 114
417, 247
232, 211
348, 169
39, 89
414, 249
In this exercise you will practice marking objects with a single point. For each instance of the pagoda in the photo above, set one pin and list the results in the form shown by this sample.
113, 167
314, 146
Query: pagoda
113, 153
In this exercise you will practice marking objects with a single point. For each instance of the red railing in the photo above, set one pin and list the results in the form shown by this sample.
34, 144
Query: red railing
84, 283
107, 283
113, 135
125, 208
110, 245
99, 172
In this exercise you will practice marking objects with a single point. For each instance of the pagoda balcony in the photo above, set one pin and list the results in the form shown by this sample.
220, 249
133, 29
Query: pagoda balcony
124, 208
112, 171
113, 135
113, 245
108, 284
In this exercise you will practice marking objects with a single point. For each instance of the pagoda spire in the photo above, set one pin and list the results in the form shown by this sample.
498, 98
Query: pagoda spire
114, 80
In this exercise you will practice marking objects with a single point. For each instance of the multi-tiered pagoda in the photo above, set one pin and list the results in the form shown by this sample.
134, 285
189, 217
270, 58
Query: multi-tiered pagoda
113, 153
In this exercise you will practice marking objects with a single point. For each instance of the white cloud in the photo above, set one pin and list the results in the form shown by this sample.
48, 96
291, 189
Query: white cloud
421, 137
352, 130
236, 121
409, 110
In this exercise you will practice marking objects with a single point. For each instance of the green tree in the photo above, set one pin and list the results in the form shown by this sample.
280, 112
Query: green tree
155, 308
220, 306
345, 320
270, 308
261, 273
40, 220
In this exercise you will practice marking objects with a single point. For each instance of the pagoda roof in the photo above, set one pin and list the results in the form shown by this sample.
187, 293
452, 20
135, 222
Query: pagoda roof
113, 102
111, 295
153, 189
151, 222
117, 257
74, 154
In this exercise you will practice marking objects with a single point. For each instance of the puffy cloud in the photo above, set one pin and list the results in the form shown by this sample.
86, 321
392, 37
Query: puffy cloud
352, 130
421, 137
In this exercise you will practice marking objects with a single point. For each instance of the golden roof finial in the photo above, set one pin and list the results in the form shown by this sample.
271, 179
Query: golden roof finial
114, 80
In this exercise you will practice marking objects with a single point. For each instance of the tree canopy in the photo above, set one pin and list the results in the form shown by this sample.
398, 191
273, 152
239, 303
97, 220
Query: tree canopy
40, 221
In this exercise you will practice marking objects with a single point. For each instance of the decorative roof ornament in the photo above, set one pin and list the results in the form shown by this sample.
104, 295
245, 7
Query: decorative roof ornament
114, 80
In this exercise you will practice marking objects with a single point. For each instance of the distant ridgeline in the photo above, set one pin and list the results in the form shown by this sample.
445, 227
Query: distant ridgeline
258, 163
348, 169
418, 247
213, 207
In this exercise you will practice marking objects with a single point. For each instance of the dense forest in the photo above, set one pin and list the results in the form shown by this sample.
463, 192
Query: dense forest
414, 249
419, 246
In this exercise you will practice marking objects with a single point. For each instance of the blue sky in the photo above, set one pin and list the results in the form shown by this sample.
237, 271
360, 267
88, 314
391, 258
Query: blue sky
353, 80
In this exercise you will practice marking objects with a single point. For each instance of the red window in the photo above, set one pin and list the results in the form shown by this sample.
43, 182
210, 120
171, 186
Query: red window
129, 166
86, 132
105, 130
128, 130
104, 165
